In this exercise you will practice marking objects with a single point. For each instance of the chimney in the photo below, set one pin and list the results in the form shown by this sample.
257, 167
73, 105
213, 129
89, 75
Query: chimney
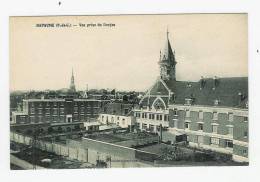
202, 82
216, 82
241, 97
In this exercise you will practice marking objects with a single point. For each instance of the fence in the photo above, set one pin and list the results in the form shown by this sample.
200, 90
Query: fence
91, 151
59, 149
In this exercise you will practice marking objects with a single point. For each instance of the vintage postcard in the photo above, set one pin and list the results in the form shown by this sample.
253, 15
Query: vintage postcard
123, 91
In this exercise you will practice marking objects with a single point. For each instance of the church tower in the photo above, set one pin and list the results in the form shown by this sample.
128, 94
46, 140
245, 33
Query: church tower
167, 62
72, 84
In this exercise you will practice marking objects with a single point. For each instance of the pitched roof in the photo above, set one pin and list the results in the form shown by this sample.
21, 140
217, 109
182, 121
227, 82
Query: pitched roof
230, 92
159, 88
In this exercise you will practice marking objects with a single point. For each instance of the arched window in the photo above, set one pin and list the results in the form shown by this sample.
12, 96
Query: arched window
50, 130
68, 129
159, 104
59, 129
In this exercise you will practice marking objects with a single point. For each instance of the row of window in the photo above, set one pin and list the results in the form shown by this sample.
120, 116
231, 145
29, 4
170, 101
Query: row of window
46, 119
47, 104
61, 111
152, 116
46, 109
82, 110
112, 118
149, 127
61, 104
214, 129
189, 101
214, 116
214, 141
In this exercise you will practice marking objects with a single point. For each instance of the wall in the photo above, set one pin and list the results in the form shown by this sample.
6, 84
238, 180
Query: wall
122, 121
222, 121
23, 164
114, 155
59, 149
89, 151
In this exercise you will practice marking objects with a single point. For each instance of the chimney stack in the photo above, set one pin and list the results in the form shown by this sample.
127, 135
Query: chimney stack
216, 82
202, 82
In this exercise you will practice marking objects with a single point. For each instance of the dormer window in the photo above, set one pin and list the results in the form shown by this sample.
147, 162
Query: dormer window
188, 101
189, 85
216, 102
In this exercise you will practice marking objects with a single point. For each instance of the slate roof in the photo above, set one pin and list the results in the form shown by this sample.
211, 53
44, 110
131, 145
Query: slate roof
159, 89
231, 92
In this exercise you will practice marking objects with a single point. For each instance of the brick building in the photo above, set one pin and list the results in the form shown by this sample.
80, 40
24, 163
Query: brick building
61, 110
212, 112
64, 108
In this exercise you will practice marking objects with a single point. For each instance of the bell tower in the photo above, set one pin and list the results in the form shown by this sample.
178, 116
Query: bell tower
167, 61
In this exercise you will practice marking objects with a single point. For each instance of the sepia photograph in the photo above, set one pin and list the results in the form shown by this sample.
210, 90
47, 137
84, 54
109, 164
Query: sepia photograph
128, 91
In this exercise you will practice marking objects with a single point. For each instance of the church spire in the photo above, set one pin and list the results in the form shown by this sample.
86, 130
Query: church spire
72, 84
167, 61
167, 34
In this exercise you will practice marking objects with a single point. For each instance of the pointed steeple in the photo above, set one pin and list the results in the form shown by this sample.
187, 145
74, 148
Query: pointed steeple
167, 53
167, 61
72, 84
72, 76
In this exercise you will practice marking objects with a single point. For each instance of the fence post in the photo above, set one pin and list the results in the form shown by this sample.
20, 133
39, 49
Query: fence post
86, 153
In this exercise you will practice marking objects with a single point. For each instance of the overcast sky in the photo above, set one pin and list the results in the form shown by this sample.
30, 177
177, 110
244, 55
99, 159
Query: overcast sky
125, 56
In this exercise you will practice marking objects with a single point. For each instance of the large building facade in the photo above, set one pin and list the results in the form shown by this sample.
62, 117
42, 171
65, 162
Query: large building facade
212, 112
65, 108
61, 110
